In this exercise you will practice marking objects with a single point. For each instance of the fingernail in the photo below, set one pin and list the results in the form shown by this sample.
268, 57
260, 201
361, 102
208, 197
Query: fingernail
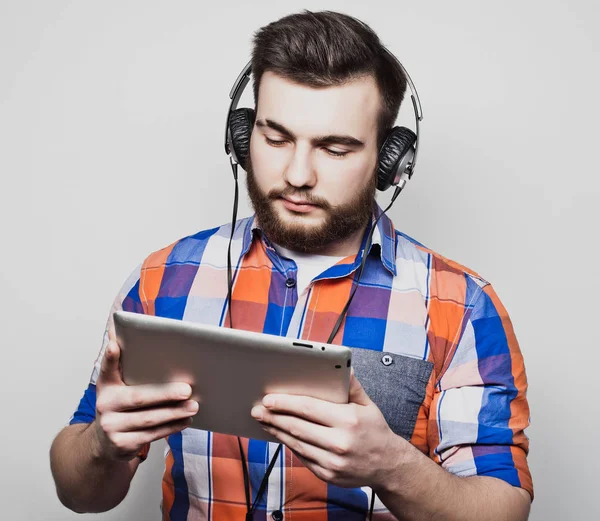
191, 406
184, 390
256, 412
268, 401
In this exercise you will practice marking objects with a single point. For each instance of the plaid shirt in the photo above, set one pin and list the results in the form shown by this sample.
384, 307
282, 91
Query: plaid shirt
411, 302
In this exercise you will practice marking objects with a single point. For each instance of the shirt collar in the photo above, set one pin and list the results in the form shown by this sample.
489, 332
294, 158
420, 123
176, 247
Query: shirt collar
384, 236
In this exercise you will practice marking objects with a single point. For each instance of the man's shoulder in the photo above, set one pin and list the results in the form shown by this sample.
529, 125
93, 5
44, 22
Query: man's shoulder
192, 249
410, 250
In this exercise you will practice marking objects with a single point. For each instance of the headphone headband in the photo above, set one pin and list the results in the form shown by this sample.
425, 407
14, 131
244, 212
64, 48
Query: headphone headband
418, 110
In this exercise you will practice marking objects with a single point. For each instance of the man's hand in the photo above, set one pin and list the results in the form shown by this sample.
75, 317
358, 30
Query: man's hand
349, 445
128, 417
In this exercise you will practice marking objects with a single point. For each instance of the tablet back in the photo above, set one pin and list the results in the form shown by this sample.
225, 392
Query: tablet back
229, 370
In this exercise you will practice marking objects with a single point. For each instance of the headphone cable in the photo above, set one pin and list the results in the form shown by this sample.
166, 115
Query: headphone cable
250, 508
234, 168
360, 270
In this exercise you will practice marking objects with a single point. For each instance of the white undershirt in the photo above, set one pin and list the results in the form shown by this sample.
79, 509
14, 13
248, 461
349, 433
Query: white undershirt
309, 265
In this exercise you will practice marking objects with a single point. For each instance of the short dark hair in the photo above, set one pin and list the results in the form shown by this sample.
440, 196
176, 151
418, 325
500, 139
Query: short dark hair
325, 48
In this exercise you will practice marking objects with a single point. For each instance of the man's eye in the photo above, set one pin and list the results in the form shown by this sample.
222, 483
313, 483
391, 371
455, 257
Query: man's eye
335, 153
275, 142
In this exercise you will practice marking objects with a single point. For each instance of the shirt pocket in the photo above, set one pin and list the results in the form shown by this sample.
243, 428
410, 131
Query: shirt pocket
396, 383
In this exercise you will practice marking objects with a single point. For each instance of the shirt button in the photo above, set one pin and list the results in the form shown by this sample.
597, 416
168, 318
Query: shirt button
277, 515
289, 283
387, 360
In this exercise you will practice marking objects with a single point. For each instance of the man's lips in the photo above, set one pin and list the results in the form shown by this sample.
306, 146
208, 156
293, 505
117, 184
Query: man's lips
298, 206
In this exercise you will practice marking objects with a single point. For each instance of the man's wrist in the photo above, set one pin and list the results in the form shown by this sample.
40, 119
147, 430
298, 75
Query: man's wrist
97, 452
401, 460
415, 483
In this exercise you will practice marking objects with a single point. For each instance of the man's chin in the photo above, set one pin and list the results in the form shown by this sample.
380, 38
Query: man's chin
287, 226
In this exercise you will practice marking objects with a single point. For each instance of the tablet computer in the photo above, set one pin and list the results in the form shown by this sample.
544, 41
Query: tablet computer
229, 370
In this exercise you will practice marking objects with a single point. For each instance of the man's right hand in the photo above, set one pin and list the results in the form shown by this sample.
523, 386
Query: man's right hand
129, 417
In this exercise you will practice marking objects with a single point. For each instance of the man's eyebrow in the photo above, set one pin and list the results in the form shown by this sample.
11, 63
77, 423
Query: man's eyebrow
275, 126
330, 139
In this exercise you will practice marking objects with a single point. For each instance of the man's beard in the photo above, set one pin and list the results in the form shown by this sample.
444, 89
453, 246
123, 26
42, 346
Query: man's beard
341, 221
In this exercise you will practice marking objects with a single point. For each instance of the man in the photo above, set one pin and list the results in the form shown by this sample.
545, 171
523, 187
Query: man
438, 435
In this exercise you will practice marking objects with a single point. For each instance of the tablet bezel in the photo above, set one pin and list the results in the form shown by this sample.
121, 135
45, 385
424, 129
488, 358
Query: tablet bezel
230, 370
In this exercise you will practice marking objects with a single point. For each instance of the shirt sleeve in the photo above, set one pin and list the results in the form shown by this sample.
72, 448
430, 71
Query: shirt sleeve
127, 299
479, 410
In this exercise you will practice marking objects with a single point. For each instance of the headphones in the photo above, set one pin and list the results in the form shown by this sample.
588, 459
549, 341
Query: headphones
397, 155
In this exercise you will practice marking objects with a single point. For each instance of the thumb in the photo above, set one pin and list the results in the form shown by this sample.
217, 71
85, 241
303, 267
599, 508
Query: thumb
357, 393
110, 371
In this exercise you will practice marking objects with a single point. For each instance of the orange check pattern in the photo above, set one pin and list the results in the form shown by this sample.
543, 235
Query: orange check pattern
411, 301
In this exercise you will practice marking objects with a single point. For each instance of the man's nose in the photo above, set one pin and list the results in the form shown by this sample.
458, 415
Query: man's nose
300, 170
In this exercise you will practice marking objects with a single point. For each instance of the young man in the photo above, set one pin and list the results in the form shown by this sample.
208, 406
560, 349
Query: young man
436, 414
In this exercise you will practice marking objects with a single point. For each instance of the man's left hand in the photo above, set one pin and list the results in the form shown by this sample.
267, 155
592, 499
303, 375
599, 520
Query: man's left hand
349, 445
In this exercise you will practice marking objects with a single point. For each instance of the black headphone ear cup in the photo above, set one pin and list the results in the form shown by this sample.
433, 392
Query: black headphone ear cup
397, 144
241, 122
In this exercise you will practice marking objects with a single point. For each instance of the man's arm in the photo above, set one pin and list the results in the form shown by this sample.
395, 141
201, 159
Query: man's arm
93, 464
86, 482
419, 489
351, 445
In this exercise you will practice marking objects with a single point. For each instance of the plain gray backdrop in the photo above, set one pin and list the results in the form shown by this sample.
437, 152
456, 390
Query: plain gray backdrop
111, 146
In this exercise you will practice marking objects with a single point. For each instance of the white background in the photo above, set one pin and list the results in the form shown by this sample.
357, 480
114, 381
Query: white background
111, 146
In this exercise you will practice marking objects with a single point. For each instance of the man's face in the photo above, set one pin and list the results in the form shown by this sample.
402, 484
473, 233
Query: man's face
313, 158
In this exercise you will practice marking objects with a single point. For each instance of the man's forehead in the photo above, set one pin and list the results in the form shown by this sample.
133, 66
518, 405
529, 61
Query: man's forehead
350, 108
